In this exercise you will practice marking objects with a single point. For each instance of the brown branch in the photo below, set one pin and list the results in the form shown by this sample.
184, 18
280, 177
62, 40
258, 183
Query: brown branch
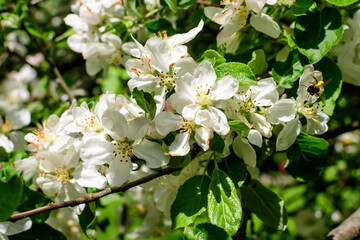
59, 79
92, 196
348, 230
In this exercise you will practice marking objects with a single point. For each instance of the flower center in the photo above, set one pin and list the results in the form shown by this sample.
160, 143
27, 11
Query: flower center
123, 150
6, 126
204, 100
62, 174
188, 126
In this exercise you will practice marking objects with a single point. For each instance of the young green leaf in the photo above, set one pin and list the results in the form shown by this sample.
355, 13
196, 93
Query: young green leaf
258, 64
237, 70
224, 206
213, 57
145, 101
217, 143
240, 128
306, 157
179, 161
287, 72
316, 33
265, 204
190, 202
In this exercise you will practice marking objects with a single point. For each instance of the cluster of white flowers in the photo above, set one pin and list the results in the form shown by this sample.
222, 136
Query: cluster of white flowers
95, 147
98, 48
233, 17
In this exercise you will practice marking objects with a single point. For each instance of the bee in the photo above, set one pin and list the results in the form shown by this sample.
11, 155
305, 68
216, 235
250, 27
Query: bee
316, 88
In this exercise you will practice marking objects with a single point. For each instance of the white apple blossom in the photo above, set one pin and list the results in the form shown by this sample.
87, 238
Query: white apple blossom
126, 142
289, 111
167, 122
196, 97
233, 17
160, 63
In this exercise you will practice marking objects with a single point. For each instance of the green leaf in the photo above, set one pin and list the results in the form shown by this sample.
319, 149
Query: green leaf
179, 161
145, 101
224, 207
4, 156
160, 24
307, 156
331, 73
213, 57
190, 202
217, 143
258, 64
342, 2
235, 168
206, 231
303, 7
240, 128
239, 71
316, 33
87, 219
12, 195
172, 5
265, 204
287, 72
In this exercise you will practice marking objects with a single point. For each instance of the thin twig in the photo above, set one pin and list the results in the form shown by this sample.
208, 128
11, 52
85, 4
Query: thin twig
348, 230
59, 79
92, 196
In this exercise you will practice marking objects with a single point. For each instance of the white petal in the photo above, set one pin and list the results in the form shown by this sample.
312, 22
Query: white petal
167, 122
152, 153
185, 37
244, 150
96, 150
288, 135
260, 124
118, 171
138, 128
180, 146
255, 138
225, 88
115, 124
88, 176
317, 125
26, 165
265, 24
77, 43
282, 111
265, 92
203, 136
